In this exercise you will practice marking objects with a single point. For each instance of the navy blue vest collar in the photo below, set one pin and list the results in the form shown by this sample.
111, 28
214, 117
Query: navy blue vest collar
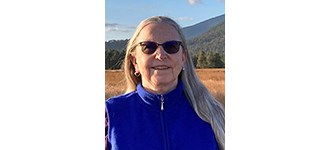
171, 99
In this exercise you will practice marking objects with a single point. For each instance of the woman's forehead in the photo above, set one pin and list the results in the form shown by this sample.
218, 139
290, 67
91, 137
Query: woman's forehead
159, 32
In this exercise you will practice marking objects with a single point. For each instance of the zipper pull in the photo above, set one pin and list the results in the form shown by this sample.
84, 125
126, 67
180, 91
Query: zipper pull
161, 102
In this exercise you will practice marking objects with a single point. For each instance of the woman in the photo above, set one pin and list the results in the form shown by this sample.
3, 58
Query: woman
165, 106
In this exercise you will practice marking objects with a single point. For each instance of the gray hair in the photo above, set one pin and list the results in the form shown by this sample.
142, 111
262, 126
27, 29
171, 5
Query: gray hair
204, 104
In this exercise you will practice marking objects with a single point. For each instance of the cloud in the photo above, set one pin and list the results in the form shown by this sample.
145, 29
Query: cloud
111, 29
184, 19
111, 24
194, 2
116, 27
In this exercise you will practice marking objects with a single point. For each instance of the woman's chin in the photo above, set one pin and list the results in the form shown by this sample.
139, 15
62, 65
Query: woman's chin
163, 80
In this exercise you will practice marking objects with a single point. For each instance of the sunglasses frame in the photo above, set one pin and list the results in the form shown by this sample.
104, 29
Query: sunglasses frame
156, 45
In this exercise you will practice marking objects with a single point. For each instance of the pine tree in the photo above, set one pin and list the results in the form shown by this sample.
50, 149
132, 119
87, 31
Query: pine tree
210, 60
194, 59
201, 59
218, 62
222, 59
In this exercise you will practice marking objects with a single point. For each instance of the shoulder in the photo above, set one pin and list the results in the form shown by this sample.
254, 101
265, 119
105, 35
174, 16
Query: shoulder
121, 99
121, 104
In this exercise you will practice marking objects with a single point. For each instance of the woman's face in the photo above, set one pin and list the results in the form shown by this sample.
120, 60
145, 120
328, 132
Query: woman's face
159, 70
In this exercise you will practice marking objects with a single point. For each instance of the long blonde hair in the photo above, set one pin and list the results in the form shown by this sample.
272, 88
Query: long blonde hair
204, 104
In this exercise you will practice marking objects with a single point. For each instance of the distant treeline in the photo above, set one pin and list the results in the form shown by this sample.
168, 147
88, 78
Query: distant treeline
114, 59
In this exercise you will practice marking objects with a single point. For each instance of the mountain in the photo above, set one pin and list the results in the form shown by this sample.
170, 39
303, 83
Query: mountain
202, 27
211, 41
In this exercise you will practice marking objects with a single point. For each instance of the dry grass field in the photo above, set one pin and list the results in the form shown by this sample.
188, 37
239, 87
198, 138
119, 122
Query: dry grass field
213, 79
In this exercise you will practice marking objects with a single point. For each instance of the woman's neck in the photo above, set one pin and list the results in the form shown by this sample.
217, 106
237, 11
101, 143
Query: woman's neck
159, 88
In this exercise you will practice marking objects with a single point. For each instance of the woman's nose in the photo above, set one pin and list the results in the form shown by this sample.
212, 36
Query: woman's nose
160, 53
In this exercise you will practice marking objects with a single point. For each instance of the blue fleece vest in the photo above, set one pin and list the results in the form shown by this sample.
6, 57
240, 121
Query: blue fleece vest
144, 121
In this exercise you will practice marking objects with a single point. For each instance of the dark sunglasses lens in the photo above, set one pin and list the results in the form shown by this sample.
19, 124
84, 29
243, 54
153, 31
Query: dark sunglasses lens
171, 47
149, 47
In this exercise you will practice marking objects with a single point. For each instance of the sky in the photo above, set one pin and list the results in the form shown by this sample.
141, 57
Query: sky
123, 16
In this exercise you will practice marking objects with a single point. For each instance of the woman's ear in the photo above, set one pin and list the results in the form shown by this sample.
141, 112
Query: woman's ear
133, 60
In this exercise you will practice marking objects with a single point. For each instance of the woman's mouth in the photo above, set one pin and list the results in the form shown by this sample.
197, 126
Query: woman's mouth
160, 67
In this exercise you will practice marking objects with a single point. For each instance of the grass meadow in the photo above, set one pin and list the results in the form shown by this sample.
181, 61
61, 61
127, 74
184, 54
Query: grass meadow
213, 79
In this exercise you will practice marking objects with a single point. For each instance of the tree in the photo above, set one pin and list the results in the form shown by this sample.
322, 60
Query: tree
194, 59
211, 60
218, 63
107, 59
201, 59
222, 60
113, 59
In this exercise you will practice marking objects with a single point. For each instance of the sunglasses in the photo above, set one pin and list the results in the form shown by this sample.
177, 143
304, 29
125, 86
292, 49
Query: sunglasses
171, 47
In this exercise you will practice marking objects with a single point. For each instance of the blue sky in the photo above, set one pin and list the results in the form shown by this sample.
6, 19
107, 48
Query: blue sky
122, 16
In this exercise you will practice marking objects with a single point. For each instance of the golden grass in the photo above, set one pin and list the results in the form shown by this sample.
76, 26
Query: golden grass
213, 79
115, 83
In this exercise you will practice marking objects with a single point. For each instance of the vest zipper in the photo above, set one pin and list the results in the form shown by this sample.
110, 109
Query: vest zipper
161, 102
163, 122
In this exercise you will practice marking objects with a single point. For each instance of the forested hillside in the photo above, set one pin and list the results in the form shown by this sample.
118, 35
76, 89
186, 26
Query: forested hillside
118, 45
202, 27
211, 41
